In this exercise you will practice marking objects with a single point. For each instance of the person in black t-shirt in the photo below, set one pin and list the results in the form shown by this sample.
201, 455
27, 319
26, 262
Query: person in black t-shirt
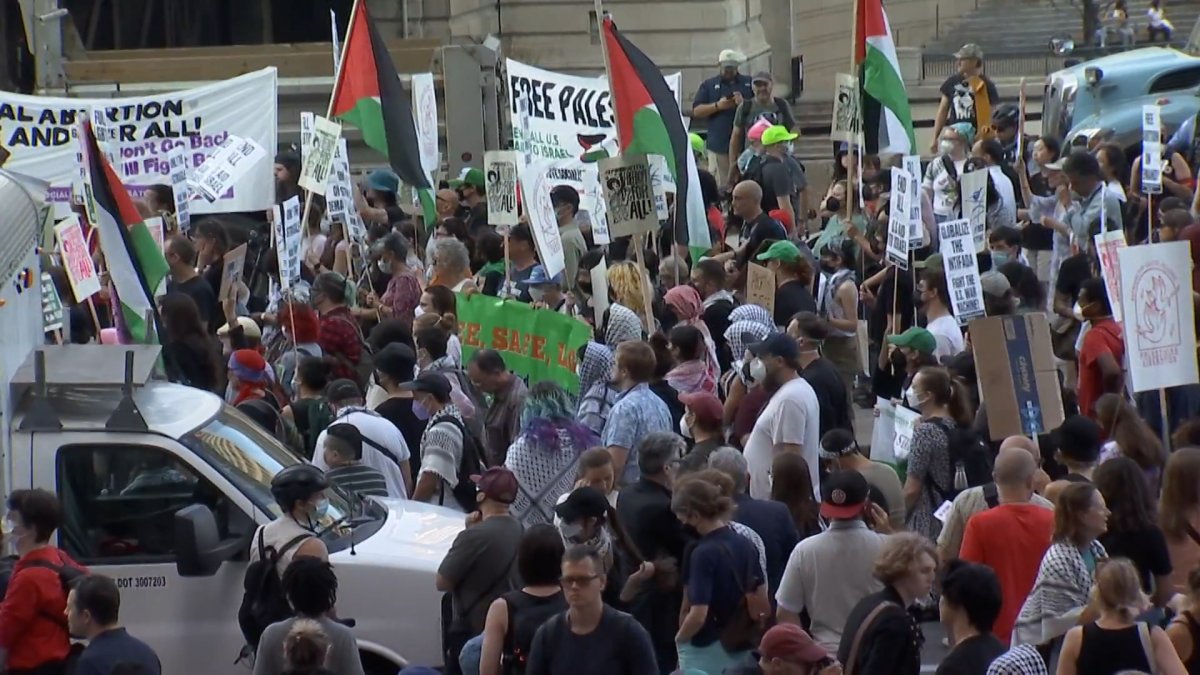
810, 330
970, 604
757, 226
793, 279
961, 100
709, 280
212, 243
394, 365
181, 260
1071, 275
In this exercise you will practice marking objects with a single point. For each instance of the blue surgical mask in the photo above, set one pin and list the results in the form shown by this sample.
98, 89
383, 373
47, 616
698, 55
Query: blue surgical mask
321, 509
419, 411
999, 258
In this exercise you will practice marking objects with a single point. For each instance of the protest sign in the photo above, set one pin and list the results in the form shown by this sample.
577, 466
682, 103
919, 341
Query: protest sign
155, 226
218, 174
337, 43
1107, 245
891, 436
569, 125
339, 201
319, 154
1152, 157
628, 195
898, 215
916, 229
847, 119
39, 133
1018, 375
500, 176
962, 269
287, 242
537, 344
542, 221
599, 275
77, 259
52, 309
760, 287
974, 206
658, 172
425, 114
307, 124
1160, 337
231, 273
181, 191
1021, 105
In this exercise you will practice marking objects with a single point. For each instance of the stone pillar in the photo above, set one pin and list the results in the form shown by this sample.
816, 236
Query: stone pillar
779, 37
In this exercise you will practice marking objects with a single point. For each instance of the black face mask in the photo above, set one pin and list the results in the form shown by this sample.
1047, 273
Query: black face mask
833, 205
898, 359
918, 302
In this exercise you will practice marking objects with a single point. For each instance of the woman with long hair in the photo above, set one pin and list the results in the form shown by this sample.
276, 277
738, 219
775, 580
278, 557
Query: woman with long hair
1129, 436
441, 306
791, 485
1059, 598
1184, 629
685, 304
190, 355
545, 453
1132, 530
692, 371
944, 405
1179, 514
1116, 642
625, 284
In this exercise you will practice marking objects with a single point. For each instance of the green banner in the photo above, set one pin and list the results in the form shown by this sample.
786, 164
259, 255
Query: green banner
538, 344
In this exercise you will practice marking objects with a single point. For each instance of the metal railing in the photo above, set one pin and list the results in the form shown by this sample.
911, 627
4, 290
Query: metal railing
1012, 64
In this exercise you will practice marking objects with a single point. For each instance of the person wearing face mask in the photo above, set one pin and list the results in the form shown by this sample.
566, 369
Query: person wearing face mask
933, 300
838, 305
446, 446
403, 292
941, 182
339, 335
1004, 245
701, 423
597, 393
32, 631
502, 421
300, 328
749, 157
565, 200
384, 448
1090, 199
587, 517
914, 349
396, 364
810, 332
299, 490
546, 291
1102, 349
309, 411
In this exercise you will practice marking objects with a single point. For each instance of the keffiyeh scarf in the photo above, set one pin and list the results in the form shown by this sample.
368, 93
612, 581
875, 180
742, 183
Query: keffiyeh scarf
1059, 595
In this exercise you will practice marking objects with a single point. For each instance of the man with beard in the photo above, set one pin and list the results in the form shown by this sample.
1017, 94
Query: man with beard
790, 422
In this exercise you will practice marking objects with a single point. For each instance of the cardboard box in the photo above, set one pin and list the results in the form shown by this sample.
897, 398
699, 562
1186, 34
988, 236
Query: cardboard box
1018, 379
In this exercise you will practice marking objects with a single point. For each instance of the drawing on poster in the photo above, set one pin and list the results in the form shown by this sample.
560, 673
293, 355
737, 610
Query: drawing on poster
1157, 319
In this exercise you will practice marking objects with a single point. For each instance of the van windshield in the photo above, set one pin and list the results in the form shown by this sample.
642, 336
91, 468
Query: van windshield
249, 458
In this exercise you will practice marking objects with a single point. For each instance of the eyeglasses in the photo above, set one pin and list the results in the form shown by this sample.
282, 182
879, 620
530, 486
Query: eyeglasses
578, 581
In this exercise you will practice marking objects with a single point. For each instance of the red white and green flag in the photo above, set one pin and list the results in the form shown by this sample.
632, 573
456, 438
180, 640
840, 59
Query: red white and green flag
887, 118
368, 94
649, 122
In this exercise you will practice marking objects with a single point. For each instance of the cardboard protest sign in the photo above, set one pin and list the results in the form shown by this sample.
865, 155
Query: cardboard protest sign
39, 133
231, 274
52, 309
898, 215
425, 114
77, 259
658, 172
287, 242
569, 124
181, 191
599, 276
1156, 293
962, 270
628, 195
500, 175
319, 154
155, 226
847, 118
542, 221
974, 205
233, 158
1018, 376
537, 344
916, 229
1152, 156
1107, 245
760, 287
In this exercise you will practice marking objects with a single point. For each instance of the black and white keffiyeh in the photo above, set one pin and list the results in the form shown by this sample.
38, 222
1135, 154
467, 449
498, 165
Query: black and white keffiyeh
1020, 660
1059, 595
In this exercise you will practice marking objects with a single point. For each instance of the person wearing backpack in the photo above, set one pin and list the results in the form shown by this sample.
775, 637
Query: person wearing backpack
764, 106
945, 456
309, 411
384, 447
481, 564
310, 587
33, 621
450, 453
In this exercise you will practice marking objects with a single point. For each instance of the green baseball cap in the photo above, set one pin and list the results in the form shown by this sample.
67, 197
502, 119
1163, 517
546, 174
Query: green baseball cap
781, 250
472, 177
915, 338
778, 134
697, 143
934, 261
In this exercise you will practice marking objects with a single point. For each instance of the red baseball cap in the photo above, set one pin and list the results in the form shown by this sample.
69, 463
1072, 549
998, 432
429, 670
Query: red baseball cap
705, 406
789, 642
497, 483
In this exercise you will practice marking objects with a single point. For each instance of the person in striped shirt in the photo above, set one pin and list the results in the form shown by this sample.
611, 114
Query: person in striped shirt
343, 454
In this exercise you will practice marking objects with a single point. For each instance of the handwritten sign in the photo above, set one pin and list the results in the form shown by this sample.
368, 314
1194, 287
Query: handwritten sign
1152, 156
1159, 326
1107, 245
77, 259
847, 119
231, 275
319, 155
542, 221
760, 287
898, 217
974, 205
962, 270
232, 159
339, 200
629, 195
52, 309
500, 176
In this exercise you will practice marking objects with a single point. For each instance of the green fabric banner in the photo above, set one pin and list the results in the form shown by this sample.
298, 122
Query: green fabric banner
538, 344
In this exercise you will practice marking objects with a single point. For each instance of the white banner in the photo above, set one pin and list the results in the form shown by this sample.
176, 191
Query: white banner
536, 189
39, 132
1107, 245
916, 229
962, 270
570, 124
891, 437
425, 114
974, 206
1152, 159
897, 232
1156, 298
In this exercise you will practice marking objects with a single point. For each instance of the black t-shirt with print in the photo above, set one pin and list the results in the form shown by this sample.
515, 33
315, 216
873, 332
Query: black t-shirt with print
962, 99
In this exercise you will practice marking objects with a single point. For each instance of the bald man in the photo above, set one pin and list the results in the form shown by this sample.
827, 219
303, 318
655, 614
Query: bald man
757, 226
977, 499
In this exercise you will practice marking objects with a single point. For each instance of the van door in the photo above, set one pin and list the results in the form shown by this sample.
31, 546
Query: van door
119, 494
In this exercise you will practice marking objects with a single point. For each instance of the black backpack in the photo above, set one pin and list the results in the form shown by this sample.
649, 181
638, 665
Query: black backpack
263, 602
525, 617
470, 464
966, 450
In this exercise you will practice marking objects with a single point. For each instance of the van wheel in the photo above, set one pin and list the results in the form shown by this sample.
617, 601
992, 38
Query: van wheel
374, 664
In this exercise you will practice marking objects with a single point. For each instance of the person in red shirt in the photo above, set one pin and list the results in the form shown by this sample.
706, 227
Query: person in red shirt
339, 334
33, 624
1102, 355
1012, 537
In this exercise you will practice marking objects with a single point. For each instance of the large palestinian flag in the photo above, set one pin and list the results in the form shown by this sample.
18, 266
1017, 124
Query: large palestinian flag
649, 122
887, 118
135, 262
368, 94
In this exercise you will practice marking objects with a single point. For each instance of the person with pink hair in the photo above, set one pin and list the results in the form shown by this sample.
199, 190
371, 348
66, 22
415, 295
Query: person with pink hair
753, 145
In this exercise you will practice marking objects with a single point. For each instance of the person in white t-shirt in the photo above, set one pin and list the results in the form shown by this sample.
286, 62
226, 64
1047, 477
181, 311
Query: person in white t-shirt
384, 448
790, 422
933, 300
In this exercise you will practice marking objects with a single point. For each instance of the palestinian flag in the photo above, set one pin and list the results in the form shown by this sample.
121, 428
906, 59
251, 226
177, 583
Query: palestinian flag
368, 94
887, 118
649, 122
135, 262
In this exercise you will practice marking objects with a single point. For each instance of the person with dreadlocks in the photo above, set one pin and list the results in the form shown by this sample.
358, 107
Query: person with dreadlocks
310, 586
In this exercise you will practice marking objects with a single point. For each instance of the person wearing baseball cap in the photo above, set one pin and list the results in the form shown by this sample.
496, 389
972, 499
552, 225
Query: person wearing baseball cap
790, 422
703, 417
841, 452
443, 443
781, 184
998, 298
793, 268
967, 95
565, 200
762, 106
471, 186
717, 101
786, 649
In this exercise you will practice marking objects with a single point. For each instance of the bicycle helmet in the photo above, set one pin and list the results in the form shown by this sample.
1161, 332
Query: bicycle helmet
297, 483
1006, 115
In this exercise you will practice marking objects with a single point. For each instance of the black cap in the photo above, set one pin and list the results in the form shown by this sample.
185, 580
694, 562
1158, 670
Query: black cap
342, 390
430, 383
396, 361
1079, 439
776, 344
583, 502
843, 494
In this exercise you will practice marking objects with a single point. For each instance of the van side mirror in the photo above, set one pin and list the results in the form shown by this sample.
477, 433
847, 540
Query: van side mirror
199, 549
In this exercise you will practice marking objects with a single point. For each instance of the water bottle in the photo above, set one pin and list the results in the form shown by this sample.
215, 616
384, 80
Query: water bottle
960, 477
